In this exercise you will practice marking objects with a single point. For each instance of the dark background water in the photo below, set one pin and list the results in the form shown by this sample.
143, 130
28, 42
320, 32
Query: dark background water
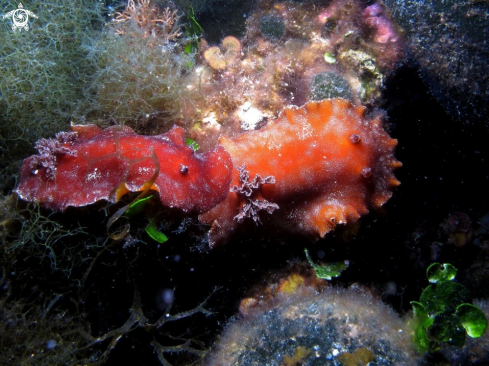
445, 170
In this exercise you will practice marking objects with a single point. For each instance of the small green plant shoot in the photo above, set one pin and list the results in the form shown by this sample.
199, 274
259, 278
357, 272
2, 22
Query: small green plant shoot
155, 234
128, 212
327, 271
193, 30
136, 208
192, 144
444, 312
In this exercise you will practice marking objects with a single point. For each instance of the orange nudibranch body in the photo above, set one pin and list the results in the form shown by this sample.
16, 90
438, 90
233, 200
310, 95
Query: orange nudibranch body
330, 164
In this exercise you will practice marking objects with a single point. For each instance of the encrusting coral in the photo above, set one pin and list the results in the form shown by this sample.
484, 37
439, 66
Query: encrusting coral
292, 52
313, 168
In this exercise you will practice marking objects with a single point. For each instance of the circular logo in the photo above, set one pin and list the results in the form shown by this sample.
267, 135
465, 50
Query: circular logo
20, 17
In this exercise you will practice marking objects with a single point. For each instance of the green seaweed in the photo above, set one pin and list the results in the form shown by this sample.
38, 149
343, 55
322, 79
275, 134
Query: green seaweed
43, 74
137, 206
327, 271
192, 144
155, 234
193, 31
28, 231
444, 312
141, 68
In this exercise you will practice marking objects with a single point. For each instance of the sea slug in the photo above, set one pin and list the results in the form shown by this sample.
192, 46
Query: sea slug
312, 168
90, 164
329, 164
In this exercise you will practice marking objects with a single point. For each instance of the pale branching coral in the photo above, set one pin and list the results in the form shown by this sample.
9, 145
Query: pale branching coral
49, 149
149, 18
142, 65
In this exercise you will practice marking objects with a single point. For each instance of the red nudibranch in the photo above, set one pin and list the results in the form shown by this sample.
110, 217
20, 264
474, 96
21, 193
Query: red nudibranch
312, 168
89, 164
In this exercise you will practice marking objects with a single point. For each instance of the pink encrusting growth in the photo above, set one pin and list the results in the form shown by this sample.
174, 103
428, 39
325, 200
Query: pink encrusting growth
97, 164
384, 31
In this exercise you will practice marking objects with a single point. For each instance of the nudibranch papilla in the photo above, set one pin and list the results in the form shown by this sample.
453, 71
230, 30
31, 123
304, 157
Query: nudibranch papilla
313, 167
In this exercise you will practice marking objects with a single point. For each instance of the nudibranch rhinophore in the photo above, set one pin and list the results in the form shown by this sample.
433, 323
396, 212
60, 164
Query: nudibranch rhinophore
312, 168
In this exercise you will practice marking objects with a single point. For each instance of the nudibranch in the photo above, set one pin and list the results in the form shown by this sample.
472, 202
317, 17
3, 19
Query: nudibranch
89, 164
312, 168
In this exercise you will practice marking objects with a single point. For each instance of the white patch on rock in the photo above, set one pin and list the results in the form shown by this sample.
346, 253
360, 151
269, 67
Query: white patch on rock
251, 118
211, 121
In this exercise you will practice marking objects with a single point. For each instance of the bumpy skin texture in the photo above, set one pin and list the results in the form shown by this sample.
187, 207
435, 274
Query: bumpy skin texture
330, 165
312, 168
105, 164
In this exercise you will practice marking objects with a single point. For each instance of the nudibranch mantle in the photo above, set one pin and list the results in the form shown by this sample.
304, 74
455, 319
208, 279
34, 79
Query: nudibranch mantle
105, 164
330, 164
